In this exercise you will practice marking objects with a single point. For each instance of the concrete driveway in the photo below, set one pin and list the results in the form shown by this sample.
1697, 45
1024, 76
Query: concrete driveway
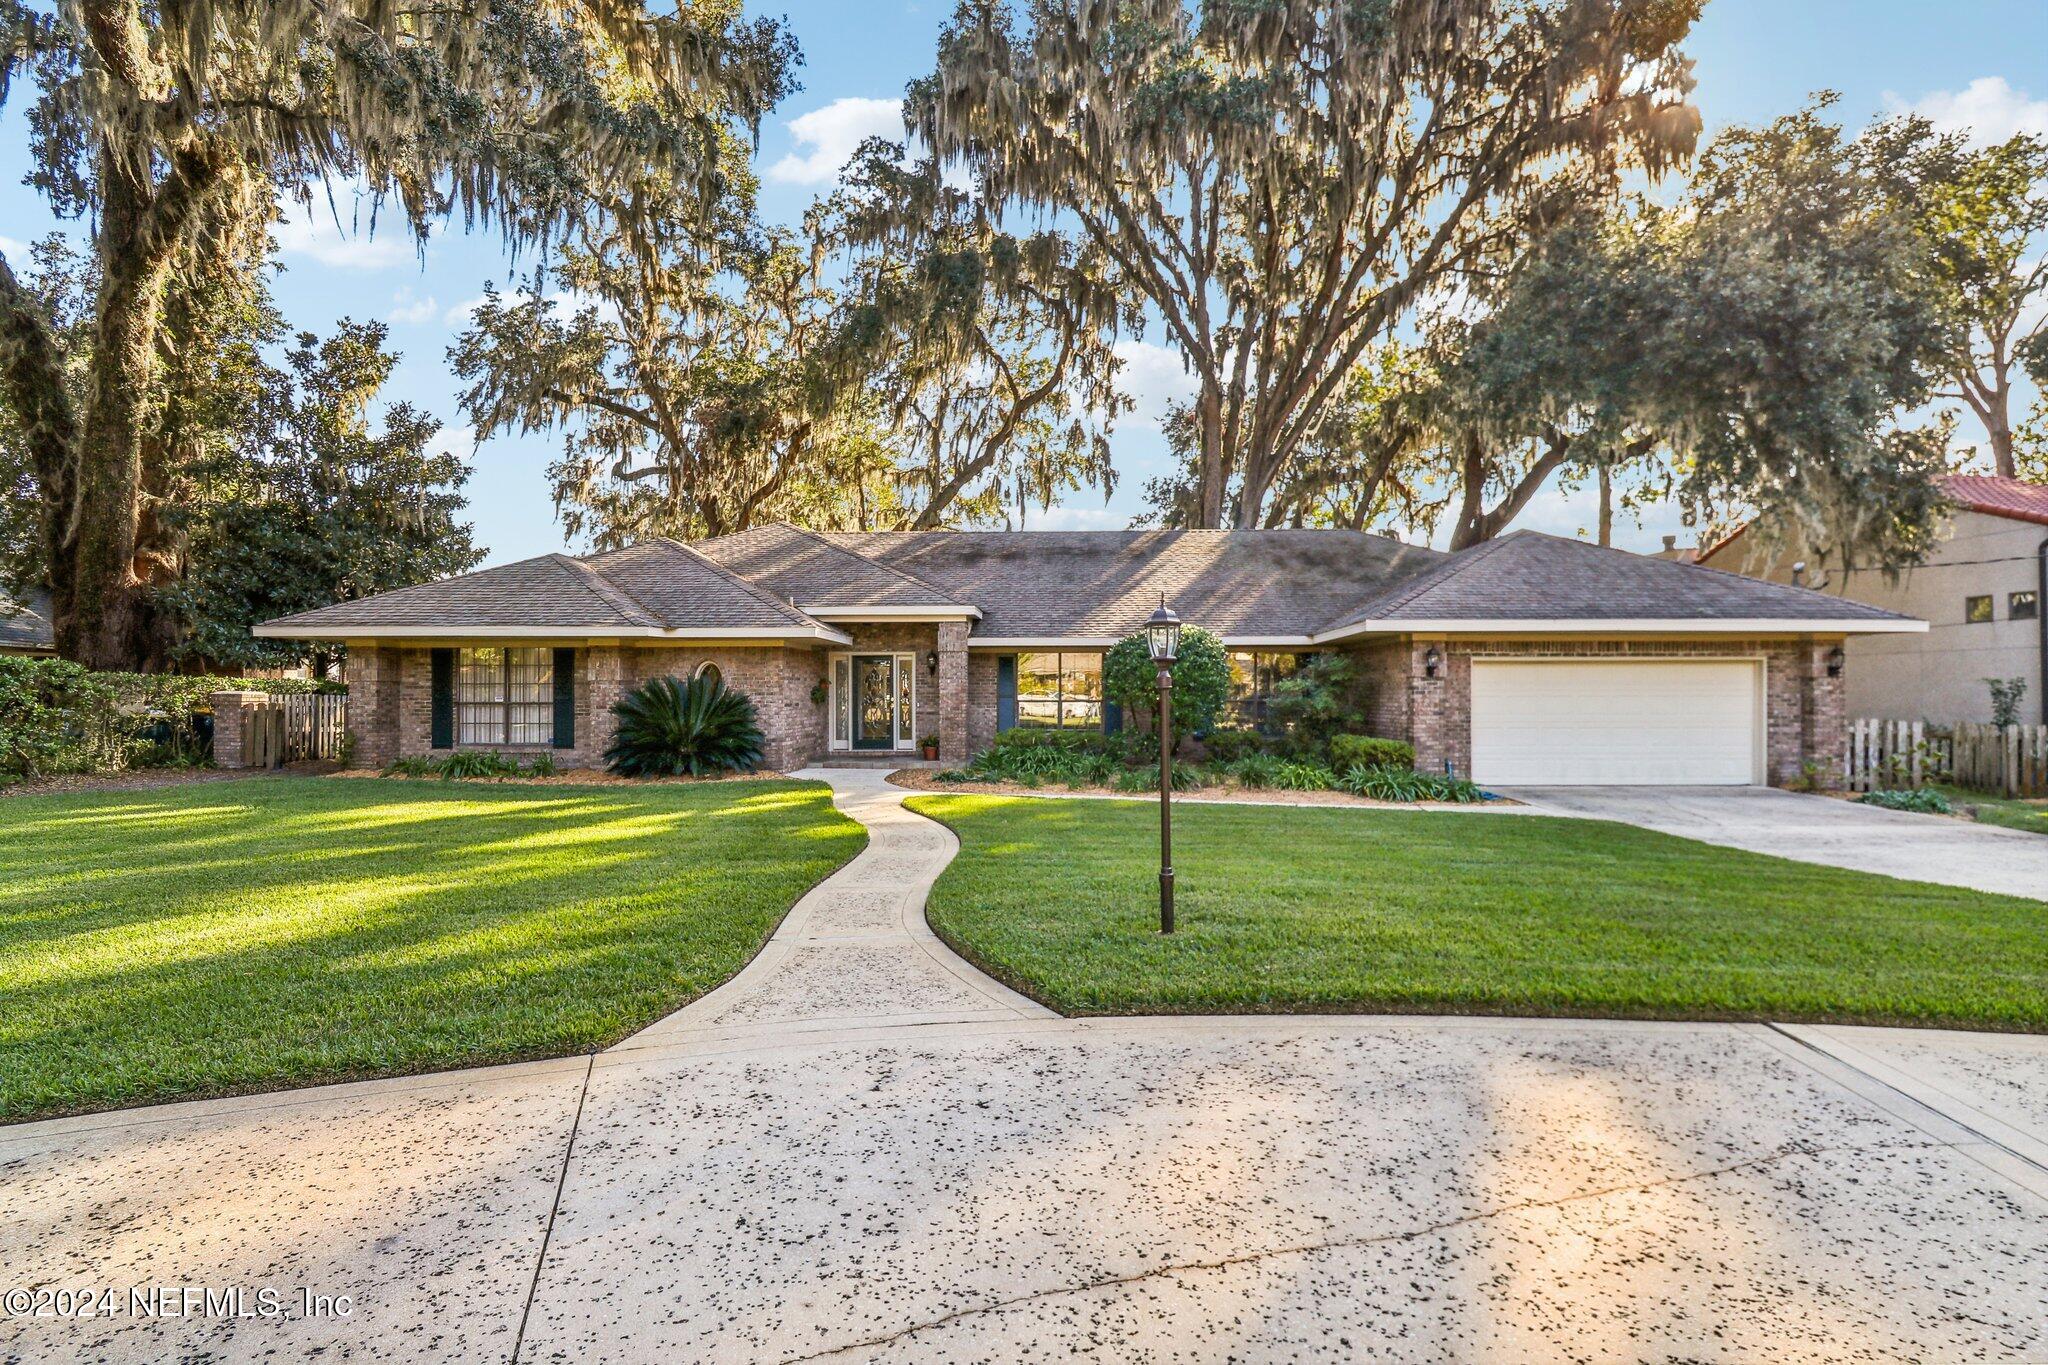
859, 1149
1820, 829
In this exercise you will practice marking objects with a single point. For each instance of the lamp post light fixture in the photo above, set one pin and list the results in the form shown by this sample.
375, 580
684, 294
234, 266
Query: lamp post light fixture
1432, 660
1162, 642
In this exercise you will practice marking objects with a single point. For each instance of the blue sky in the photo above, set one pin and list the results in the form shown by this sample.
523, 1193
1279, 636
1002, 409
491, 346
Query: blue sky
1977, 63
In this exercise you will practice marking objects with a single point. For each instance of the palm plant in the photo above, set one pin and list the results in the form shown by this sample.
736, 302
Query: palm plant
668, 728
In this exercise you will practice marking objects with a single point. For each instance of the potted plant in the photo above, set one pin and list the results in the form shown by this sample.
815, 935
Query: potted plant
929, 747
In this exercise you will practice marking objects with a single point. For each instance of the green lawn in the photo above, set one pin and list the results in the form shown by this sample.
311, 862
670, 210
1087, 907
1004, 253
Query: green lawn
2001, 810
238, 936
1304, 909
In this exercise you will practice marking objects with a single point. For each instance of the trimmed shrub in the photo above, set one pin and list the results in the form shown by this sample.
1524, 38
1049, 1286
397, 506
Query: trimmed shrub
1201, 678
1325, 697
1366, 751
669, 728
1925, 801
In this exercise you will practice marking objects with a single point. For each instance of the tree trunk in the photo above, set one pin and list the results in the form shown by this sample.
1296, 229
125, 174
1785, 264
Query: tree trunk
106, 620
1209, 478
1606, 504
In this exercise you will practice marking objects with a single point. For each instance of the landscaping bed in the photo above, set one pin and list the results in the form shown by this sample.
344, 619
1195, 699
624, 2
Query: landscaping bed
232, 936
927, 779
1311, 910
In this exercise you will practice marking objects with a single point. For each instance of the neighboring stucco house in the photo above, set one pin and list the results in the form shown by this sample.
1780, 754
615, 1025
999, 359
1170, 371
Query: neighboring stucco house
1981, 593
25, 627
1526, 659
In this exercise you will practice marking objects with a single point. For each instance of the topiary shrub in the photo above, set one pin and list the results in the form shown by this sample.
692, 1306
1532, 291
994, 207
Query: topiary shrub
1201, 679
1365, 751
669, 728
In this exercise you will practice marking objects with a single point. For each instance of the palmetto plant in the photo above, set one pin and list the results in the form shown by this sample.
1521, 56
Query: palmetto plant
668, 728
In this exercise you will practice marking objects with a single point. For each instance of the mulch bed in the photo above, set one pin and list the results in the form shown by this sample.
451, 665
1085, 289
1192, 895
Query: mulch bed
925, 779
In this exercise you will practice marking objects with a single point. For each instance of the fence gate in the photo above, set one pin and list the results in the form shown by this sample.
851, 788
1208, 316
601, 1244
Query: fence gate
2012, 761
287, 729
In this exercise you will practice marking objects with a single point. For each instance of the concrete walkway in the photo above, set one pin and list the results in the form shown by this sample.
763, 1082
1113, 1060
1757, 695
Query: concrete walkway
860, 1150
1820, 829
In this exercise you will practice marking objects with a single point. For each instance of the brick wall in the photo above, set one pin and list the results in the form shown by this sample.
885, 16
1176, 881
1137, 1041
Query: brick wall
981, 702
778, 681
1803, 717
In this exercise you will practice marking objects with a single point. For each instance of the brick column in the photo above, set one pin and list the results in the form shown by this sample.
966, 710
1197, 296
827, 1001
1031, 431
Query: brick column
604, 682
952, 692
1436, 711
231, 726
1823, 729
373, 710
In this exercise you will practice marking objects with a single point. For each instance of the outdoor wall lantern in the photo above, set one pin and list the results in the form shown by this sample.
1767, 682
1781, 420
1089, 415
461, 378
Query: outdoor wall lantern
1835, 661
1432, 660
1162, 642
931, 663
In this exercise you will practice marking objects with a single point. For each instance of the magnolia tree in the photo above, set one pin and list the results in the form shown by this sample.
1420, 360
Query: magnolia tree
1201, 679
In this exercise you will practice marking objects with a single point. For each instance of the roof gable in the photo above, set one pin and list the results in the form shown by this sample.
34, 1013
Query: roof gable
686, 590
549, 591
805, 567
1046, 585
1535, 577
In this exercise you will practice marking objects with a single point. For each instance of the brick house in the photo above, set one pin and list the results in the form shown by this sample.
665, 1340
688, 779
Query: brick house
1528, 659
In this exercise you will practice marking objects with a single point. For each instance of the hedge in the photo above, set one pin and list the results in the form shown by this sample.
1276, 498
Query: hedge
57, 717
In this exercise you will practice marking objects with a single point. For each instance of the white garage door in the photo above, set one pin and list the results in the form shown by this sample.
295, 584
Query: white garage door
1579, 723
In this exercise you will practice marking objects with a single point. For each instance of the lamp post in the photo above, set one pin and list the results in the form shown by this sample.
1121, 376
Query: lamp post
1162, 642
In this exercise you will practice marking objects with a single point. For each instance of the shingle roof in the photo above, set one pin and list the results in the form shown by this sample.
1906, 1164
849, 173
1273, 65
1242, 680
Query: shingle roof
2015, 498
805, 566
1054, 585
659, 585
1527, 576
687, 590
1098, 584
22, 626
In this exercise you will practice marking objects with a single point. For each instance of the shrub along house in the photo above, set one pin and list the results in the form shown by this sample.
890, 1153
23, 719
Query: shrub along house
1528, 659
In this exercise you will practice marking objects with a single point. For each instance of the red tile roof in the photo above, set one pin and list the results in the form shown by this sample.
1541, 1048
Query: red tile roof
2015, 498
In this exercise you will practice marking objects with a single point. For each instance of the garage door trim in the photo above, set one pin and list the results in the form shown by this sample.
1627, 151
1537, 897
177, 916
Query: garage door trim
1759, 696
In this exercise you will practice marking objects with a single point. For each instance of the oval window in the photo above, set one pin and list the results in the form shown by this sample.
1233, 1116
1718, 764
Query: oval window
708, 672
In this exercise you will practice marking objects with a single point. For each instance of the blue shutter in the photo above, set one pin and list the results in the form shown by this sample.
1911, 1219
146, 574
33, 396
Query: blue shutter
565, 699
442, 702
1006, 692
1112, 717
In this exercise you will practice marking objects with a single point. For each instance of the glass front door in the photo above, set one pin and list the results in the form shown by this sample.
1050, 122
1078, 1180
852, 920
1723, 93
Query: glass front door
874, 701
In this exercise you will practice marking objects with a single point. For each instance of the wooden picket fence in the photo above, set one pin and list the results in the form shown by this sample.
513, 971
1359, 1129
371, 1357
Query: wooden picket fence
286, 729
2012, 761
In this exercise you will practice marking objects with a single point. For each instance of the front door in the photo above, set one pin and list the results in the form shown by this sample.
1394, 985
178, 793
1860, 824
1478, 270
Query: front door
874, 701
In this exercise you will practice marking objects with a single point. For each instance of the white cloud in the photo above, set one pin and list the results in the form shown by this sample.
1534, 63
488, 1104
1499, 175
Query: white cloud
15, 252
1074, 519
311, 230
459, 315
1153, 376
832, 135
407, 311
1988, 109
